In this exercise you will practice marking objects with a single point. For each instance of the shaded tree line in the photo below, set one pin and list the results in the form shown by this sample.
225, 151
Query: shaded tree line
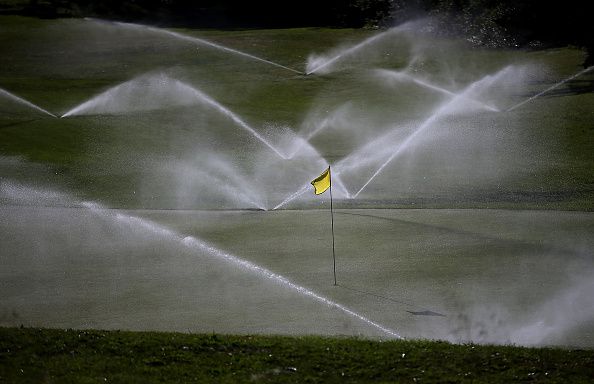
520, 23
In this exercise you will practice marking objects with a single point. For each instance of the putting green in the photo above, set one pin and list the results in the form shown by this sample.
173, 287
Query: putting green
447, 274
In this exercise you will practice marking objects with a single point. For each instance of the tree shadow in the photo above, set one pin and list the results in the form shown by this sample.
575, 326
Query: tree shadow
17, 123
572, 88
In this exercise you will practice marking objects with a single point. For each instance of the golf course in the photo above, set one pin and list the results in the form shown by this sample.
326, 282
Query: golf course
158, 180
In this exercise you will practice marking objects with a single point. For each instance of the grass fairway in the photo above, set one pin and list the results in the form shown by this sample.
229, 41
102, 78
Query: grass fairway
36, 355
150, 181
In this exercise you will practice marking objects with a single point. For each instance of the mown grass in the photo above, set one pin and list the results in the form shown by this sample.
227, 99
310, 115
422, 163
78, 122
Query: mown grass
93, 356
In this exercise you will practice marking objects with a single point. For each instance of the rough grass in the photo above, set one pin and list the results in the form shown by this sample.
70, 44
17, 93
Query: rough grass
92, 356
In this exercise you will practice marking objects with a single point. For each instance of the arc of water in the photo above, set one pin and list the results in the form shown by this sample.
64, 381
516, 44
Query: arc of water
402, 74
323, 125
303, 139
371, 152
404, 145
201, 41
195, 243
25, 102
550, 88
192, 241
199, 95
227, 112
240, 184
104, 96
336, 179
330, 119
224, 187
341, 166
350, 50
292, 197
428, 122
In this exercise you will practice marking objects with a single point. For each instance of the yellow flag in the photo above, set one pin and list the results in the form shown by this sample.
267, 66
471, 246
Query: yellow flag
322, 182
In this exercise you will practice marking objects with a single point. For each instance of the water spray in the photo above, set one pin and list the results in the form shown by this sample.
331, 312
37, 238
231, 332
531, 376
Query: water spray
347, 52
107, 98
194, 243
227, 187
402, 146
225, 111
198, 41
428, 122
402, 75
14, 97
551, 88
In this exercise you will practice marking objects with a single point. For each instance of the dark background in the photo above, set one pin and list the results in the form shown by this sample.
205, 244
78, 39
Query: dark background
504, 23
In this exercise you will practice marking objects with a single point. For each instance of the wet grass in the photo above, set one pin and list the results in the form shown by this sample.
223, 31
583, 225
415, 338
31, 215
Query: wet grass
91, 356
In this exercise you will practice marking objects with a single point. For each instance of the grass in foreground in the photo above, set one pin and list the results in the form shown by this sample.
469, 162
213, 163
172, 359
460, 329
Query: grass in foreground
71, 356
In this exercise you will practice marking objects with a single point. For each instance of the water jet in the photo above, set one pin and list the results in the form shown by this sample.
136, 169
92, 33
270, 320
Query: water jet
12, 96
448, 107
404, 76
317, 64
554, 86
148, 92
197, 40
193, 244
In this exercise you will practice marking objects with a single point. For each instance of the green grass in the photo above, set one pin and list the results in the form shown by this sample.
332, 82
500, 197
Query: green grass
89, 356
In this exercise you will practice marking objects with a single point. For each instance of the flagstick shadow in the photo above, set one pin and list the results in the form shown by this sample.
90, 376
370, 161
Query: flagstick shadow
431, 228
422, 312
